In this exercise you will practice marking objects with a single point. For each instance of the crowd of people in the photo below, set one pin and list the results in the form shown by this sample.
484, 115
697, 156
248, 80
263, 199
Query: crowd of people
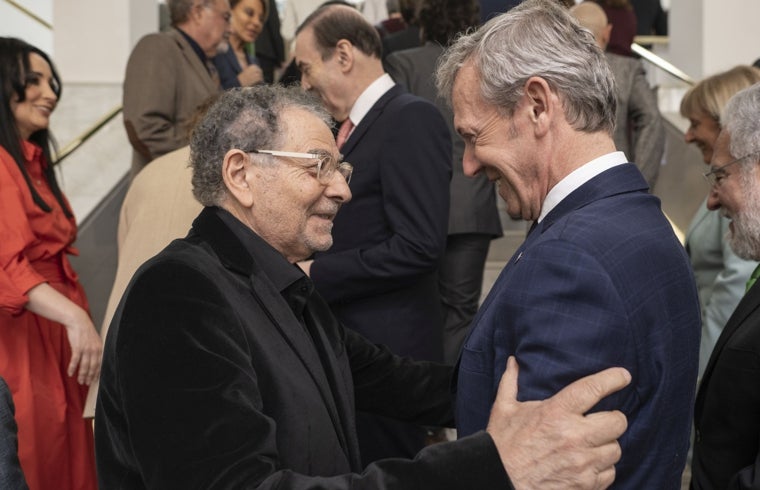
303, 310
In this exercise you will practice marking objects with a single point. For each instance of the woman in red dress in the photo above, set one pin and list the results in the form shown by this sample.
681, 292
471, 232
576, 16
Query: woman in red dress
49, 348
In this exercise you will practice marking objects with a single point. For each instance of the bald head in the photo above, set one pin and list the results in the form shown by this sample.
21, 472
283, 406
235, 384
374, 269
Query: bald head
591, 16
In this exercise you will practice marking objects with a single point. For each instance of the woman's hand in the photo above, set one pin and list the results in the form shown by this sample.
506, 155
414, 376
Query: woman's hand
86, 346
86, 349
251, 75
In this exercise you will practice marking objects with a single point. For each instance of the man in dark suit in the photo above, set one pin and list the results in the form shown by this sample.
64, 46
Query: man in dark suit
225, 369
270, 48
380, 276
727, 427
639, 131
473, 217
169, 74
601, 279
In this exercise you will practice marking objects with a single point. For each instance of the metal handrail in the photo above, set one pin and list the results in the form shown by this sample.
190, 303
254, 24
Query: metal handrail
651, 39
79, 140
662, 63
30, 14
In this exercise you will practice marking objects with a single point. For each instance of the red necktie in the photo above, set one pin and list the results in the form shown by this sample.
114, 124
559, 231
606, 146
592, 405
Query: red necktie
345, 129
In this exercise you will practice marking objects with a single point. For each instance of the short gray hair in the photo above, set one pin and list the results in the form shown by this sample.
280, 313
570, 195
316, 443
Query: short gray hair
740, 119
247, 119
536, 38
179, 10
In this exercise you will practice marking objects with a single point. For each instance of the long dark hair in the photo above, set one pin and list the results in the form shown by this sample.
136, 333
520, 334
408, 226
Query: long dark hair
14, 67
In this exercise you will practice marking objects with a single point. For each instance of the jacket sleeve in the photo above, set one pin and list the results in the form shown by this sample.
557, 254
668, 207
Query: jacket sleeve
646, 125
748, 478
11, 475
727, 290
17, 276
415, 171
194, 412
150, 102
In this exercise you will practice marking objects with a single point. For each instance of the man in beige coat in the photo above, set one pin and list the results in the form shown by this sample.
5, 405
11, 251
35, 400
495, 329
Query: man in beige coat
158, 208
169, 74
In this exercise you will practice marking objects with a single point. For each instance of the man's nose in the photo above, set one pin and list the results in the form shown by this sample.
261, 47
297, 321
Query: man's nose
713, 199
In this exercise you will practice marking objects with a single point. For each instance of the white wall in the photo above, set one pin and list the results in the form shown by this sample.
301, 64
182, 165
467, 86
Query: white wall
13, 23
90, 40
708, 36
93, 38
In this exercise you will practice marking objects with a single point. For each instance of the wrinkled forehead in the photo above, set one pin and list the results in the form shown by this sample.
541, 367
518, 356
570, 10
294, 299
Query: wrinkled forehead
305, 130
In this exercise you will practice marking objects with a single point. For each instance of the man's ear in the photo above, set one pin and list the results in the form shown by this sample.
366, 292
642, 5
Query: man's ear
541, 103
237, 175
344, 50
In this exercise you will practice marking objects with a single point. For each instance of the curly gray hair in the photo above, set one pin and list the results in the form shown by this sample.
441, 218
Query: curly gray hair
246, 119
536, 38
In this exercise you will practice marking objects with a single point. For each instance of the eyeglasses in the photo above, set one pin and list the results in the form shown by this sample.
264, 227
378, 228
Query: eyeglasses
324, 167
717, 174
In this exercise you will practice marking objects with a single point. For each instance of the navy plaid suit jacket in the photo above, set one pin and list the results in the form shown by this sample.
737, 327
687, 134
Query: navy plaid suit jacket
602, 281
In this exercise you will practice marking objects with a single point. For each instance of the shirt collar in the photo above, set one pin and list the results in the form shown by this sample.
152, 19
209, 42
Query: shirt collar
275, 266
30, 150
578, 177
367, 99
196, 47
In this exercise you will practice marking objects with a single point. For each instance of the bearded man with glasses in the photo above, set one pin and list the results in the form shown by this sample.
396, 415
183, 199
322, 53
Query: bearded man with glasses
726, 422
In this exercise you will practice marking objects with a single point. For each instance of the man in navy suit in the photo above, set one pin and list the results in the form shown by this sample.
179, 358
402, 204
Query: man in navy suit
601, 279
380, 276
726, 423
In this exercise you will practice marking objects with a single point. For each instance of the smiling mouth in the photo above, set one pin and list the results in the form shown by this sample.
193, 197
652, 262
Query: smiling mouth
325, 216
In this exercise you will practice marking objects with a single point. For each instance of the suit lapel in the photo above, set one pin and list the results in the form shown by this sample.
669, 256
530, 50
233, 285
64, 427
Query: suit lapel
201, 71
619, 179
235, 257
748, 304
616, 180
369, 119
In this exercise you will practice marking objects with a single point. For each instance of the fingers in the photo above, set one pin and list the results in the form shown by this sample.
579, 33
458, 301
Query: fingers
76, 355
583, 394
605, 427
507, 393
86, 353
605, 478
90, 368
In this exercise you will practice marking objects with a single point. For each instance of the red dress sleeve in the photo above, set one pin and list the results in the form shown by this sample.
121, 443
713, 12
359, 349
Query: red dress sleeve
27, 232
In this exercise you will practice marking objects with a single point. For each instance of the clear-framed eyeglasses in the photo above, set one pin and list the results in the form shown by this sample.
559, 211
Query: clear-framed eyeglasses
716, 175
324, 165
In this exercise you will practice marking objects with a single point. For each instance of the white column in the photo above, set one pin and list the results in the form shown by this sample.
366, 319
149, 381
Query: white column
708, 36
93, 38
14, 23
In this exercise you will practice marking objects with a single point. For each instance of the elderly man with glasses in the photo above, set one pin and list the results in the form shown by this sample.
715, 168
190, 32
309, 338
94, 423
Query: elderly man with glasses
224, 368
726, 422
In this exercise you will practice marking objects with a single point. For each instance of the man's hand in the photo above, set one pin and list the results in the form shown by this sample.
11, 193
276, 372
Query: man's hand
551, 444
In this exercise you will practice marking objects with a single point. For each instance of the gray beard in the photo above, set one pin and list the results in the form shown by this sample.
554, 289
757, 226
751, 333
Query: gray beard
745, 239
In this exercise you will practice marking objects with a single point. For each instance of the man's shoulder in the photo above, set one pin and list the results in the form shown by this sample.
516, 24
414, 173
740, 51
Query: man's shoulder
623, 64
403, 105
154, 42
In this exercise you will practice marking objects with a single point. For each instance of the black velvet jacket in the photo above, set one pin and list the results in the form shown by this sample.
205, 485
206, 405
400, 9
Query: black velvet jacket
210, 381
